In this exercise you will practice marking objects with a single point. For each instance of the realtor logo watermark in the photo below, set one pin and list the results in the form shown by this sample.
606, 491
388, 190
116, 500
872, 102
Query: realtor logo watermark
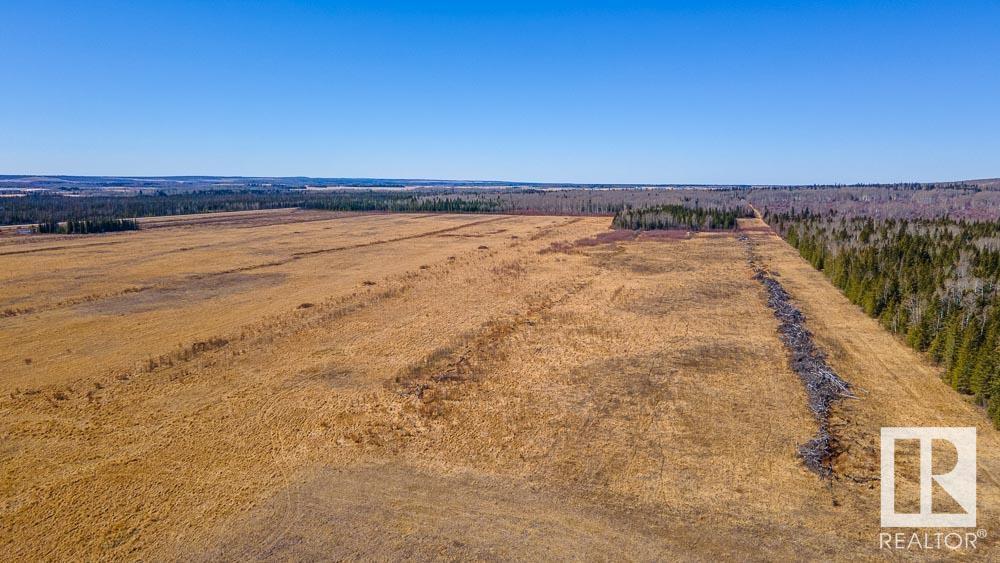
959, 483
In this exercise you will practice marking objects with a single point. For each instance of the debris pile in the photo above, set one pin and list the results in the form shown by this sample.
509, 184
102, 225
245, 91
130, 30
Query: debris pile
823, 385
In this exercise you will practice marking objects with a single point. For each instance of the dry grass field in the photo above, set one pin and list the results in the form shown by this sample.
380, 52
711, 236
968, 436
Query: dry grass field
305, 385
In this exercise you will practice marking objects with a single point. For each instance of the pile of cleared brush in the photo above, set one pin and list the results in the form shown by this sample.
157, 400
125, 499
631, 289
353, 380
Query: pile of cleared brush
823, 386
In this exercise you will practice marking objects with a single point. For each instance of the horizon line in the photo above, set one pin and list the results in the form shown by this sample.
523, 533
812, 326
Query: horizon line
495, 182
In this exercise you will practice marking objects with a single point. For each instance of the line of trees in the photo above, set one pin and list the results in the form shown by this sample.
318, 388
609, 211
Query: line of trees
59, 208
394, 203
934, 282
900, 202
694, 218
49, 208
88, 226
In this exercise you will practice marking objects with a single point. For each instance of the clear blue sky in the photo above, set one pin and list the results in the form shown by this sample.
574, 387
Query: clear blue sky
710, 92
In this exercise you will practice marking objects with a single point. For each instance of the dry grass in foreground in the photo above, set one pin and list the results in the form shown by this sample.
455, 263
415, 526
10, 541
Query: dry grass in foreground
434, 387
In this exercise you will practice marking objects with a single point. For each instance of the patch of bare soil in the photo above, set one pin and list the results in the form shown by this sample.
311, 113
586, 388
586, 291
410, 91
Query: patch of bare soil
183, 292
395, 511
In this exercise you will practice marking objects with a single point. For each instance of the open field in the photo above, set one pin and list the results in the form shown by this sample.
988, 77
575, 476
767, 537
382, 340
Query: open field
310, 385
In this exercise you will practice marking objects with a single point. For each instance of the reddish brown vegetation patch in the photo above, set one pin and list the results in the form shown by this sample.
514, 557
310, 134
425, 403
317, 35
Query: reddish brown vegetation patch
558, 246
608, 237
756, 229
665, 234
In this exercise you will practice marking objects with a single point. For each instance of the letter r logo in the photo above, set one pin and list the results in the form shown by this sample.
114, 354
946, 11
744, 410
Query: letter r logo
960, 482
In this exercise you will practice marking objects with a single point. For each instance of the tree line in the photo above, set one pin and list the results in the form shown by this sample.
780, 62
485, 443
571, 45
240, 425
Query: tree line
86, 227
47, 208
934, 282
956, 201
58, 208
694, 218
405, 204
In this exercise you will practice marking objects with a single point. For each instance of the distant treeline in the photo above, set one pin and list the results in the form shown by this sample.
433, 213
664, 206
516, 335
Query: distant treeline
405, 204
87, 227
55, 208
900, 202
695, 218
932, 281
35, 209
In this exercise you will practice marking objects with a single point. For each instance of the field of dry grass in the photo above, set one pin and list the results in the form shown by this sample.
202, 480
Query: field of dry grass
301, 385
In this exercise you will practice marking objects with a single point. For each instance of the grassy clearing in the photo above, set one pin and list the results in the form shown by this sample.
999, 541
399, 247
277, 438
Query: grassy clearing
628, 395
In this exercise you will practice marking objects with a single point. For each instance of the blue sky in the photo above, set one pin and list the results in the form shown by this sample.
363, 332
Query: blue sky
706, 92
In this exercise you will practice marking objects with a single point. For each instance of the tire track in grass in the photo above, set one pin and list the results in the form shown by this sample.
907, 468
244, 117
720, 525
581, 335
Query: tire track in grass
16, 312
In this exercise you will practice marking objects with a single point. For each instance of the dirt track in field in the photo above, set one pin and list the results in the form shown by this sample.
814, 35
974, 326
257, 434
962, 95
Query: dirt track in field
435, 386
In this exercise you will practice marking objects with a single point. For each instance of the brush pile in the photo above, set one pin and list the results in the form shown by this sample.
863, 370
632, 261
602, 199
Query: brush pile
823, 386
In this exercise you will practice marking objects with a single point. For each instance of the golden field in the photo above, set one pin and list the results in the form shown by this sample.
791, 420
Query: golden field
309, 385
